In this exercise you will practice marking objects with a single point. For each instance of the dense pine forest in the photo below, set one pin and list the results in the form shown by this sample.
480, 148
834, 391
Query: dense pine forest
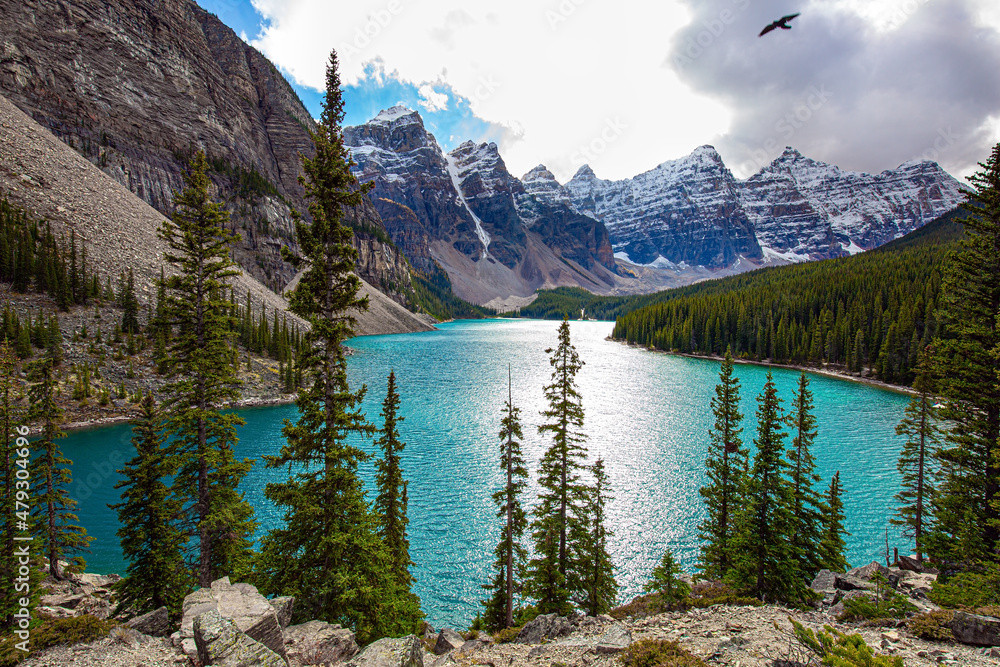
869, 314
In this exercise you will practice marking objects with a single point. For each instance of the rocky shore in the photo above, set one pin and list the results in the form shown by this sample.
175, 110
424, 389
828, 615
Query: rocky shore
231, 624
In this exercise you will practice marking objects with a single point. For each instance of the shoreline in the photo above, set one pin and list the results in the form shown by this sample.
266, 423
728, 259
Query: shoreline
826, 372
252, 402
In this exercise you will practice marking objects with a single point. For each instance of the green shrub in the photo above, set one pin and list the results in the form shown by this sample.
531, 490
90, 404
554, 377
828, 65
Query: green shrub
968, 590
837, 649
506, 635
933, 625
887, 603
658, 653
53, 632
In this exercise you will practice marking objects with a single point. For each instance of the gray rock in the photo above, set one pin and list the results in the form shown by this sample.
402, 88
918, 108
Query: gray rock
403, 652
838, 609
429, 632
250, 610
975, 629
848, 582
548, 626
221, 644
447, 640
155, 624
910, 564
865, 573
824, 582
319, 643
283, 607
614, 640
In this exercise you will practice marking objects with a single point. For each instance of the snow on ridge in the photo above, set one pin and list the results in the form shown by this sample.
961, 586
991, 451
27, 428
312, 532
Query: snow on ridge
484, 237
393, 113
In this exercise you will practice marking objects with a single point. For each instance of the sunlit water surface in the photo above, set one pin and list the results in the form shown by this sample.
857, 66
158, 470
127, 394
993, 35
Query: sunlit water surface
647, 415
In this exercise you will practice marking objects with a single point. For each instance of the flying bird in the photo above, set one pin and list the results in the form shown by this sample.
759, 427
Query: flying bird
780, 23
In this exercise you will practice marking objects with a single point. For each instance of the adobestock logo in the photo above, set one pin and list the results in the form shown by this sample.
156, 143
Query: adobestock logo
612, 131
786, 127
378, 21
562, 12
712, 29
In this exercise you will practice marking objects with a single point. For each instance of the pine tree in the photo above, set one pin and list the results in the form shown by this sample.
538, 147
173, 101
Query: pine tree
560, 507
52, 505
510, 553
666, 581
328, 554
832, 544
390, 507
130, 306
726, 470
765, 560
806, 503
155, 576
202, 377
967, 508
593, 571
919, 424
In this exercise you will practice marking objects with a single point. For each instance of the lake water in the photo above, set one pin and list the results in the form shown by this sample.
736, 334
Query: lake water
647, 415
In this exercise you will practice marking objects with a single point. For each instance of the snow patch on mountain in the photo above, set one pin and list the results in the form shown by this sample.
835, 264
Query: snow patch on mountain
453, 171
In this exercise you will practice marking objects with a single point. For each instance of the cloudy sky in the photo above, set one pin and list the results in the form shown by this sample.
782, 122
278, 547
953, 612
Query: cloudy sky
624, 86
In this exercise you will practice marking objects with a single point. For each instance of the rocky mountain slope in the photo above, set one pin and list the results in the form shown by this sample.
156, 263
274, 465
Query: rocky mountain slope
463, 211
44, 176
693, 211
136, 86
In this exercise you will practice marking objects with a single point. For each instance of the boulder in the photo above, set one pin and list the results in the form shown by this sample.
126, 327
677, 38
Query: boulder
838, 609
546, 627
250, 610
403, 652
155, 624
865, 573
319, 643
221, 644
614, 640
975, 629
847, 582
283, 609
910, 564
824, 582
447, 640
428, 632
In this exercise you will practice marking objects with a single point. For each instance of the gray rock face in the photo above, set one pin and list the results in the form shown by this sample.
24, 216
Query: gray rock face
319, 643
546, 627
248, 609
865, 572
133, 86
685, 210
221, 644
824, 582
403, 652
156, 623
975, 629
447, 640
283, 607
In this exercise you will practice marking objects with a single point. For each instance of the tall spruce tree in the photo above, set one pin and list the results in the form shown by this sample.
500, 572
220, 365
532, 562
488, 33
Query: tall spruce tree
561, 498
510, 553
155, 576
919, 425
593, 571
967, 506
202, 377
832, 544
328, 554
726, 470
765, 560
666, 581
391, 504
130, 306
806, 503
52, 506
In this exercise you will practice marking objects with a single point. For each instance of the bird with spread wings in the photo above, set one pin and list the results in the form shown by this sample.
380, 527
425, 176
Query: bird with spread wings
780, 23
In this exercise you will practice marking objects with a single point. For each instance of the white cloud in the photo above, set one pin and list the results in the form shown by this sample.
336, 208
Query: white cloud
560, 73
431, 99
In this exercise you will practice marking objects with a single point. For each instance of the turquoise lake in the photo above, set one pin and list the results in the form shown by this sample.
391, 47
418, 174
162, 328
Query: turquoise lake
647, 415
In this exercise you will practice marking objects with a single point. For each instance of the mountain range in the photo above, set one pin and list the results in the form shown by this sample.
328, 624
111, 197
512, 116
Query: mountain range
136, 87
